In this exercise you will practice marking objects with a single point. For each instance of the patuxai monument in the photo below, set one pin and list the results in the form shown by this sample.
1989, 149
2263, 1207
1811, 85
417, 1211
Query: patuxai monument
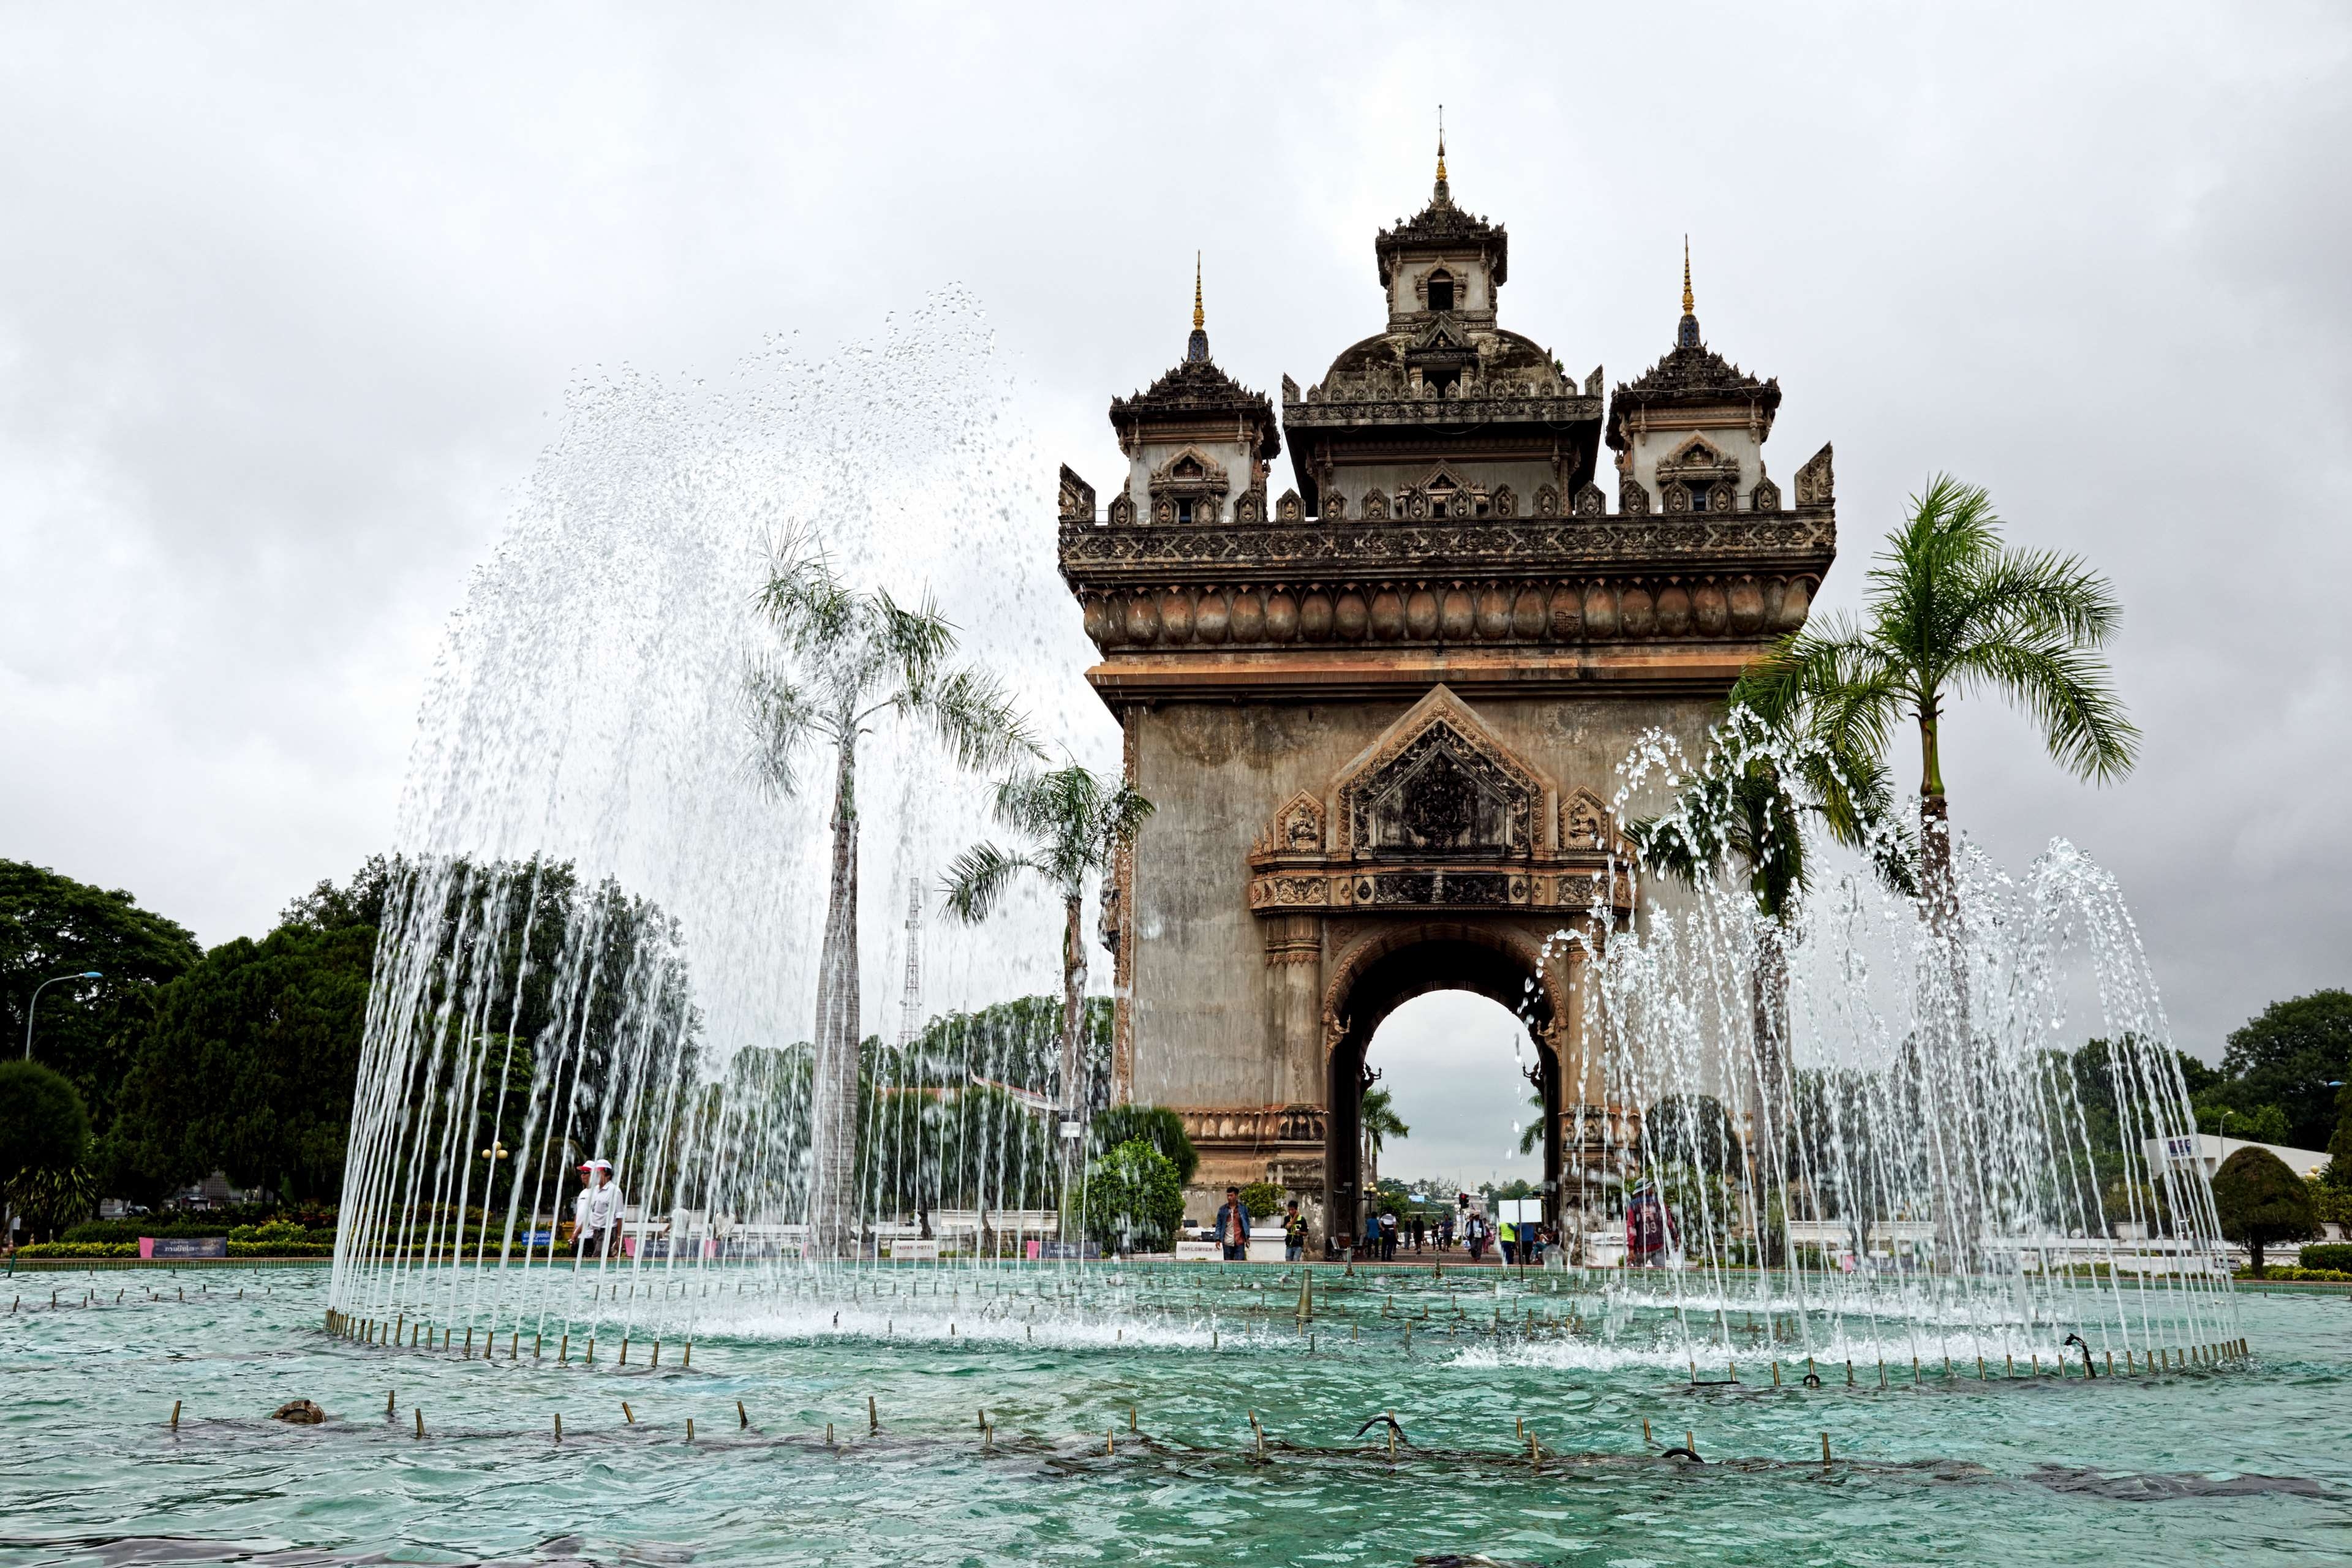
1378, 699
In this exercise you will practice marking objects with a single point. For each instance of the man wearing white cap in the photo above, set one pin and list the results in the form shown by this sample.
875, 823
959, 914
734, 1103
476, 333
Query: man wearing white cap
596, 1212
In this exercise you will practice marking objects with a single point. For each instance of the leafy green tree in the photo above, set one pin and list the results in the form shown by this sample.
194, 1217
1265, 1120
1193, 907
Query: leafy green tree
2262, 1124
1155, 1125
1692, 1129
1951, 610
2294, 1055
2262, 1202
2339, 1173
1261, 1198
1531, 1136
91, 1031
847, 661
1133, 1199
251, 1063
1078, 824
1016, 1043
44, 1140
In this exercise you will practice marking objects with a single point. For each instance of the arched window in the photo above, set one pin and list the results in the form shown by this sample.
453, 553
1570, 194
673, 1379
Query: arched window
1441, 291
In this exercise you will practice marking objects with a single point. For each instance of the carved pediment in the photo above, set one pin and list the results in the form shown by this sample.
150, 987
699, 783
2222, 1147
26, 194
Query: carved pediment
1697, 459
1191, 471
1441, 784
1583, 821
1297, 828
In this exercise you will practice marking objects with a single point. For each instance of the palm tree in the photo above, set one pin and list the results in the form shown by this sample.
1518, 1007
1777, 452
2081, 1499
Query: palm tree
1379, 1121
1739, 806
1952, 610
845, 661
1078, 824
1532, 1135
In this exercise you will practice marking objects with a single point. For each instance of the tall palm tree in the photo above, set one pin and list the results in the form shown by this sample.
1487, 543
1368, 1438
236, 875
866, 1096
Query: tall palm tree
1078, 824
1380, 1122
1739, 806
845, 661
1951, 611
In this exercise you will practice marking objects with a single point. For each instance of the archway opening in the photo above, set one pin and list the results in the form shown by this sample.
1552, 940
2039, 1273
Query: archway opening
1460, 968
1456, 1071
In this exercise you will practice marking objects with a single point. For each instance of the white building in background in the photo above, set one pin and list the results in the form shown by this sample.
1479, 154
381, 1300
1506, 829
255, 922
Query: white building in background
2212, 1149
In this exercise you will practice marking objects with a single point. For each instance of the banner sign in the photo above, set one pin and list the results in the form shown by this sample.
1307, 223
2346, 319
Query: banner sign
183, 1246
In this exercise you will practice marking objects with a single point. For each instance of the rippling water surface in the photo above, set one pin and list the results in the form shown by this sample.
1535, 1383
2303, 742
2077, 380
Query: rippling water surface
2254, 1463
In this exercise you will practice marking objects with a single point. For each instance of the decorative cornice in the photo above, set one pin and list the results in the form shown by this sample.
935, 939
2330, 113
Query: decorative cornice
1803, 540
1330, 409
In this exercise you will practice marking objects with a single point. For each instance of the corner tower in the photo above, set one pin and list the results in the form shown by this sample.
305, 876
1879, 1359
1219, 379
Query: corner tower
1381, 717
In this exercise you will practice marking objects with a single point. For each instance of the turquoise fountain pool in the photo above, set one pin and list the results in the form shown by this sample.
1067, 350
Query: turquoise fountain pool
1119, 1408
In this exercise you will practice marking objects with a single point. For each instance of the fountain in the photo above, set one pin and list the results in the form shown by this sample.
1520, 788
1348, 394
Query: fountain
1820, 1133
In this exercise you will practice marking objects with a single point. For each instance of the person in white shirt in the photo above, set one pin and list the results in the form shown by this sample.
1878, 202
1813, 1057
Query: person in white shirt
596, 1212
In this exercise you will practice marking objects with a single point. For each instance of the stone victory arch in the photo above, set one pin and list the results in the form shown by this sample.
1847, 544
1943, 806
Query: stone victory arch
1379, 714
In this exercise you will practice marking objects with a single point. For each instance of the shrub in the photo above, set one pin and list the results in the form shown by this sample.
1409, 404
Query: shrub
2338, 1255
1134, 1199
1162, 1129
2262, 1202
1262, 1199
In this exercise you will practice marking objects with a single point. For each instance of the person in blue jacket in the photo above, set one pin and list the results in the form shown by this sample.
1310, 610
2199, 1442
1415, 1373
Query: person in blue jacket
1232, 1226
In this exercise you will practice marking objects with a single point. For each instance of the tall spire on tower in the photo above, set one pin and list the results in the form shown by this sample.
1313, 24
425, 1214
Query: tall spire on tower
1686, 333
1442, 196
1196, 347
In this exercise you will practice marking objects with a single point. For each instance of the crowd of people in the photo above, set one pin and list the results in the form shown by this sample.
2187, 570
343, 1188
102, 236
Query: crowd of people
1386, 1233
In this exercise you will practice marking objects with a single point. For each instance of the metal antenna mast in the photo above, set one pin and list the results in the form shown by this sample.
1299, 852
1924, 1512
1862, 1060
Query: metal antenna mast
910, 1001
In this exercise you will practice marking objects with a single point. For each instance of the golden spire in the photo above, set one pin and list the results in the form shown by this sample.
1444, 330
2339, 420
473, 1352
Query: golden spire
1199, 321
1441, 143
1686, 287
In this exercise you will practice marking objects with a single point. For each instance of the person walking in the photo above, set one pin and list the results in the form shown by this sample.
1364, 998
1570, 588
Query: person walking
1508, 1233
596, 1212
1371, 1236
1233, 1226
1388, 1235
1419, 1228
1293, 1233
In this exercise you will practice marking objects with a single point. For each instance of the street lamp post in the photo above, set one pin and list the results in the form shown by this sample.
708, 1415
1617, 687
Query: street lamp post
35, 1002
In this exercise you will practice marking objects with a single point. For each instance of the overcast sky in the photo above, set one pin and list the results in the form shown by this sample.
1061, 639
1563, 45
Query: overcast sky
286, 298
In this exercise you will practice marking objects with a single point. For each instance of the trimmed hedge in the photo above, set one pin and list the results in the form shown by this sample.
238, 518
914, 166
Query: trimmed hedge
2333, 1255
81, 1249
2298, 1275
131, 1250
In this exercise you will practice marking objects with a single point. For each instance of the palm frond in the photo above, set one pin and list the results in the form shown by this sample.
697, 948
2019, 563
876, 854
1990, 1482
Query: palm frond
2064, 688
2042, 592
914, 641
812, 610
975, 718
782, 722
978, 878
